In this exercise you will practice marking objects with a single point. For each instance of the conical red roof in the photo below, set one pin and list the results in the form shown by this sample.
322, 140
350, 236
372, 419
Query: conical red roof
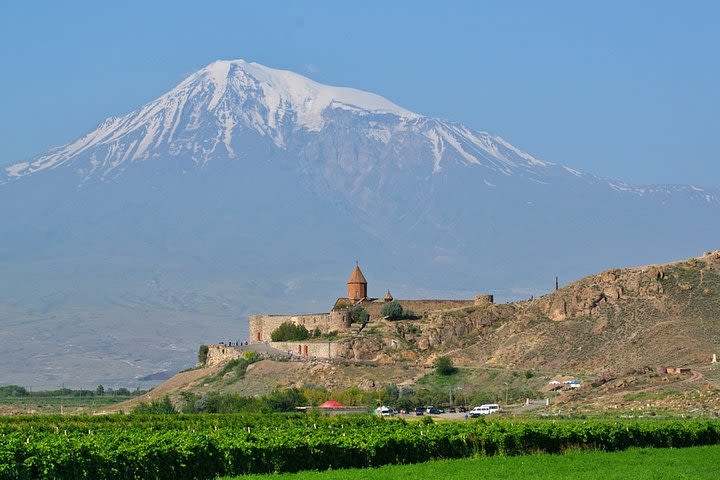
357, 276
331, 404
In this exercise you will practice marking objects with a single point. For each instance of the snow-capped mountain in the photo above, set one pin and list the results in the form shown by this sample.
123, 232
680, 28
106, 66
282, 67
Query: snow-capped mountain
212, 112
248, 189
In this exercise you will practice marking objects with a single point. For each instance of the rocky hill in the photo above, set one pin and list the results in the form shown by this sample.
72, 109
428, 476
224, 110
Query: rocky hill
660, 315
620, 330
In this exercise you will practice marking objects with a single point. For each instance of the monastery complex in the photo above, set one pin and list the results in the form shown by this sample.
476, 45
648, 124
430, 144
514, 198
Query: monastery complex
339, 320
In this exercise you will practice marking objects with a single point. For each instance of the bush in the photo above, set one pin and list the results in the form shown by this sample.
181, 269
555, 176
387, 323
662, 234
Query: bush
444, 366
237, 366
289, 332
392, 310
251, 356
156, 406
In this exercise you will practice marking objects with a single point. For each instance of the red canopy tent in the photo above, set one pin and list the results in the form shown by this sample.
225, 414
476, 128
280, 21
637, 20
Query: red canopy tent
331, 404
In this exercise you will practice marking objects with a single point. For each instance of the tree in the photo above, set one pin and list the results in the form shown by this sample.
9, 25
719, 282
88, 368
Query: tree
359, 314
392, 310
13, 391
285, 400
202, 354
444, 366
288, 331
99, 391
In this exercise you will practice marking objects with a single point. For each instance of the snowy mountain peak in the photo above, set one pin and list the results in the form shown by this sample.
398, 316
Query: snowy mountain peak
233, 109
204, 114
283, 91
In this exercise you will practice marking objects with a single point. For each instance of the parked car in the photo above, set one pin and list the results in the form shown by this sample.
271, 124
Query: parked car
385, 411
477, 411
463, 409
452, 410
435, 410
419, 411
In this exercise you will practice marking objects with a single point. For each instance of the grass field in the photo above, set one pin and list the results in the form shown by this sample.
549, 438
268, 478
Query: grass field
637, 464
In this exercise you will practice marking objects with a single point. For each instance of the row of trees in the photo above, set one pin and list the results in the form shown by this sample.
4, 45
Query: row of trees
9, 391
286, 400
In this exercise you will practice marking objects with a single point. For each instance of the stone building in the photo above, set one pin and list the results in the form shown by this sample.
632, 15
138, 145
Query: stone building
339, 320
356, 285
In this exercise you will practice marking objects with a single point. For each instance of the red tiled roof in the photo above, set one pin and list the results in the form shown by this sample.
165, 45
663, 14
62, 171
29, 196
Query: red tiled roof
357, 276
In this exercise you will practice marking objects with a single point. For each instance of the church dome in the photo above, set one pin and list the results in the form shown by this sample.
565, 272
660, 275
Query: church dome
356, 285
357, 276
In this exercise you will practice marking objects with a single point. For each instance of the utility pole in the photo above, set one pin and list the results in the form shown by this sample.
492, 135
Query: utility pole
557, 284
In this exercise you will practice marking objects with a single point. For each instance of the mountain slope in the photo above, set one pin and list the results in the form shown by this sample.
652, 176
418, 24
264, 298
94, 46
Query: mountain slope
660, 315
247, 189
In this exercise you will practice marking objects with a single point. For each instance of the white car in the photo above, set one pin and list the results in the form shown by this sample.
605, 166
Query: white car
384, 411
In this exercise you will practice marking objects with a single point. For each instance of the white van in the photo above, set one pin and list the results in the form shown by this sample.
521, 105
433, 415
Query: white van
486, 409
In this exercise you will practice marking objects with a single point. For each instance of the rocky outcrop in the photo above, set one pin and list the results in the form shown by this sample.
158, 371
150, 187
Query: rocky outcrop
360, 348
584, 298
451, 326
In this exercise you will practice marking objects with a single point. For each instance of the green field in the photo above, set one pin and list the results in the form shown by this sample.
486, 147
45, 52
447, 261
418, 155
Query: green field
205, 446
638, 464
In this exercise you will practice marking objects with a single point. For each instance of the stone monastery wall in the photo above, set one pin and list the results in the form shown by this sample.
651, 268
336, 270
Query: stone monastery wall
419, 307
218, 354
307, 349
262, 326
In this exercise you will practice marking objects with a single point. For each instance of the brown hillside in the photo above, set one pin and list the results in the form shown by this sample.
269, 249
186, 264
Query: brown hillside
665, 315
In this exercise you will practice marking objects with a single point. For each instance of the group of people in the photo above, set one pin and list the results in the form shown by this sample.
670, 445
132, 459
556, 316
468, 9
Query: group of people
237, 343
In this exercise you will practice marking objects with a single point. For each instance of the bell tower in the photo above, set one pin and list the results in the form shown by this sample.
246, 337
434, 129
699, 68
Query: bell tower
356, 285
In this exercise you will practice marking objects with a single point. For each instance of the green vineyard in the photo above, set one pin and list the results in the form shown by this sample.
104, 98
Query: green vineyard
203, 447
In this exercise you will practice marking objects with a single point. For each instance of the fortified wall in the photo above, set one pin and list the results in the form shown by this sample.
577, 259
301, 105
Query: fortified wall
219, 354
262, 326
308, 349
422, 307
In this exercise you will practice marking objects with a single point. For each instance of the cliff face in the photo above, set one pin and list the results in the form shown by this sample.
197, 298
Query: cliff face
624, 318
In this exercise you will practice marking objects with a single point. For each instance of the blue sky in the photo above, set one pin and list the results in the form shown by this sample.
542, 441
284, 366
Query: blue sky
628, 90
